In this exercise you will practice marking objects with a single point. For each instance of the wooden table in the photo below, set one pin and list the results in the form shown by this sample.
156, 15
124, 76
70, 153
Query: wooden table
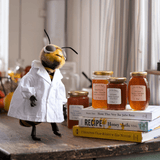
16, 144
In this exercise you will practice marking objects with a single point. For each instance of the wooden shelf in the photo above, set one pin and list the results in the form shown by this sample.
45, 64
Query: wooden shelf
155, 72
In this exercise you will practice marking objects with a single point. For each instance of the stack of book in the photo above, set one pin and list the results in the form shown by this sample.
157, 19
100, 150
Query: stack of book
126, 125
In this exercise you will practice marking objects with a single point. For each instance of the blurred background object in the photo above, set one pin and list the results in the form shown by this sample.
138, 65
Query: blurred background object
55, 21
88, 89
70, 78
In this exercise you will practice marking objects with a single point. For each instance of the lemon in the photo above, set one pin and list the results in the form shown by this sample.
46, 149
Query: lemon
7, 101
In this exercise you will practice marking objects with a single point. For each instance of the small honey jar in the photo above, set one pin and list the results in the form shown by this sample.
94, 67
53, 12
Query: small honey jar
99, 88
138, 91
76, 102
116, 93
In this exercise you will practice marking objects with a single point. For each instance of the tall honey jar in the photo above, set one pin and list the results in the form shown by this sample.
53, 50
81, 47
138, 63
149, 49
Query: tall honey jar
138, 91
76, 101
116, 93
99, 88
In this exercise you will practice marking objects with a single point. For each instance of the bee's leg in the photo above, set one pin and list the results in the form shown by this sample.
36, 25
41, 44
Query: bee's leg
33, 133
55, 129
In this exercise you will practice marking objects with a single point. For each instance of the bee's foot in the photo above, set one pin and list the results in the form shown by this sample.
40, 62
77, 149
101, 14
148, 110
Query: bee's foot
36, 138
57, 134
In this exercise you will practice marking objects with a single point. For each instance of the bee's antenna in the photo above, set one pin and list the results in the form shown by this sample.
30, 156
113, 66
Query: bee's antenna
47, 36
71, 49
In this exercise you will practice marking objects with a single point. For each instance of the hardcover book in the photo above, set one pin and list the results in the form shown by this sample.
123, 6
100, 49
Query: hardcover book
151, 113
120, 124
132, 136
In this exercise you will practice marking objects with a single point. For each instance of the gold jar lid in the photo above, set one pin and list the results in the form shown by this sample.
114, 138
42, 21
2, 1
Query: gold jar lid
117, 79
77, 93
103, 72
138, 73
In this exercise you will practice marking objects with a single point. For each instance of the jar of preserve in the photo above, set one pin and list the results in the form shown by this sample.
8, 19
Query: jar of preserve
116, 93
76, 101
99, 88
138, 91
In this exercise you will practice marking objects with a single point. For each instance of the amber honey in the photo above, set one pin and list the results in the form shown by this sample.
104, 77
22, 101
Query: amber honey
76, 101
99, 88
138, 91
116, 93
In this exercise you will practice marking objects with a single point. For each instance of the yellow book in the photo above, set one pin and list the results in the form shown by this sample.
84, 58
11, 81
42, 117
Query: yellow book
132, 136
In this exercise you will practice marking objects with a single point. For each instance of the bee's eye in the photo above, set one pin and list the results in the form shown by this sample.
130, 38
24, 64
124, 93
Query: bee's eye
64, 54
49, 48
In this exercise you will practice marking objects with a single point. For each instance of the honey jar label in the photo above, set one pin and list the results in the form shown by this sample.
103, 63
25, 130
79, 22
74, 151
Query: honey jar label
113, 96
75, 111
99, 91
138, 93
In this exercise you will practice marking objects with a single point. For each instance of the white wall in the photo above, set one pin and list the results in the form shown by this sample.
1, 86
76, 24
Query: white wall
32, 26
4, 22
83, 25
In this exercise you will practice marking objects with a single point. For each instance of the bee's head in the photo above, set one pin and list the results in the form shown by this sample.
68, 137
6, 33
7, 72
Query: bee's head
52, 57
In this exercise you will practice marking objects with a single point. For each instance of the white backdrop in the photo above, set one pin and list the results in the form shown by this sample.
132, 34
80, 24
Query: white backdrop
118, 35
4, 22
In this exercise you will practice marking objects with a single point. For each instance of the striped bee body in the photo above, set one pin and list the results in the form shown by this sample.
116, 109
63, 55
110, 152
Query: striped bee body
28, 123
33, 125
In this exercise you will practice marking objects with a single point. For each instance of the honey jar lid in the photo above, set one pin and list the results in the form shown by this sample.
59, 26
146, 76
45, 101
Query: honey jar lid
77, 93
117, 79
103, 72
138, 73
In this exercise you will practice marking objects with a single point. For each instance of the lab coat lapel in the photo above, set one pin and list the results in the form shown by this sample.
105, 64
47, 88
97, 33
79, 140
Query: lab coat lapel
56, 78
42, 72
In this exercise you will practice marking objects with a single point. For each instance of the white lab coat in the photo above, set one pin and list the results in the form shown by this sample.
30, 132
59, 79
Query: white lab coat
50, 96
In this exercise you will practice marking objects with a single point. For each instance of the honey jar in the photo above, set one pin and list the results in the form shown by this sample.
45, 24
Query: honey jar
138, 91
99, 88
116, 93
76, 101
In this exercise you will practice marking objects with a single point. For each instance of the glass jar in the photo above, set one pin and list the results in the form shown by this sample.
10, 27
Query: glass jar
99, 88
116, 93
70, 78
138, 91
76, 101
18, 68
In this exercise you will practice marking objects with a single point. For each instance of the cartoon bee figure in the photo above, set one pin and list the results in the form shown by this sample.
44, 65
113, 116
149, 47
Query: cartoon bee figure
40, 94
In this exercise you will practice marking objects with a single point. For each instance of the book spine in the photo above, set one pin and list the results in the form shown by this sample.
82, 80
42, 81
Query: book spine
114, 114
131, 136
114, 124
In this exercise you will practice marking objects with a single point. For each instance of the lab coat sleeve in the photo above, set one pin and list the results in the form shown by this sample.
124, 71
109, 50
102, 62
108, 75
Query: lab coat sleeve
27, 87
